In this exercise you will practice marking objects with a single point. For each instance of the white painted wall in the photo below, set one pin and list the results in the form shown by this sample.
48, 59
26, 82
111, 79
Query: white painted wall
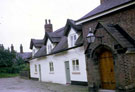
59, 75
34, 74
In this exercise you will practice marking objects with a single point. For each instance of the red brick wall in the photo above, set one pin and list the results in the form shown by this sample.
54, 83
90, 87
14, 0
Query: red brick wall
126, 19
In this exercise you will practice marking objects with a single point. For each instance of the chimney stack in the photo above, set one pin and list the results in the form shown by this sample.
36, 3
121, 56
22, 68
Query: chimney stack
12, 48
103, 1
48, 26
21, 48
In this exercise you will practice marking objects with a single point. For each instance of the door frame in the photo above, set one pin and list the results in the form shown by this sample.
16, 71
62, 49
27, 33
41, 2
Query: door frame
67, 72
103, 59
94, 54
39, 68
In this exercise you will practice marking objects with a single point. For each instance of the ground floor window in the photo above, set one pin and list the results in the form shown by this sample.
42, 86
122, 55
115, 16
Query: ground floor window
51, 67
75, 65
35, 68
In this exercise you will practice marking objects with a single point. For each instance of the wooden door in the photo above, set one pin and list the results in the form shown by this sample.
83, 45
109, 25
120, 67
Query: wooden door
107, 70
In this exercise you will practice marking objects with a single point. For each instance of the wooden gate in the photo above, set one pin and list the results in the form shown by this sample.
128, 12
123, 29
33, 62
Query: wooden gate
107, 70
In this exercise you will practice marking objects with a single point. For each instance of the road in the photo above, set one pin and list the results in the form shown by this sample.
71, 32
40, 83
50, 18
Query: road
17, 84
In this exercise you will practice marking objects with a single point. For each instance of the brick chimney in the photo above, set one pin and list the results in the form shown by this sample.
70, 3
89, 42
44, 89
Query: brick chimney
21, 48
103, 1
48, 26
12, 48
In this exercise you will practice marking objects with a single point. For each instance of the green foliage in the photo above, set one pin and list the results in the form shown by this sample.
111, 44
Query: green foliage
10, 63
5, 75
6, 58
19, 65
26, 68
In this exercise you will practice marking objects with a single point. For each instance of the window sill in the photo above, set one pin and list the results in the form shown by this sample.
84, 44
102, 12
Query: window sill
35, 73
51, 73
76, 73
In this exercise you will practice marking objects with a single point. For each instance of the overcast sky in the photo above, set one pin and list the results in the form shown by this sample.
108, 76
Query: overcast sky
21, 20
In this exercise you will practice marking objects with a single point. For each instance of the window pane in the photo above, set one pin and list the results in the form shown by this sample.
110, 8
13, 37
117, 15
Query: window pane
71, 40
77, 67
50, 66
50, 47
77, 62
73, 62
74, 68
74, 37
35, 68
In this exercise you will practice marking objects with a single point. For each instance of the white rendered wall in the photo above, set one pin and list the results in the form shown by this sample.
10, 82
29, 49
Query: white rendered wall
34, 74
77, 53
59, 75
81, 75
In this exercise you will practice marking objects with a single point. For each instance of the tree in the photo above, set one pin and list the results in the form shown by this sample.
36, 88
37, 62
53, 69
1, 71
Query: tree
6, 58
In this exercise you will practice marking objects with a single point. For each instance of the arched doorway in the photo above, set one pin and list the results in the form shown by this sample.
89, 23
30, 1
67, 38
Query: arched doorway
106, 66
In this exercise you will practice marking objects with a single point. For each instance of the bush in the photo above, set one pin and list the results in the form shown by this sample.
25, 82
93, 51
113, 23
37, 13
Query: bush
5, 75
6, 58
10, 63
6, 70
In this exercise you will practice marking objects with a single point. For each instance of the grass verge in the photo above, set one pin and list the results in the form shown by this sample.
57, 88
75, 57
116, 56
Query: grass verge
6, 75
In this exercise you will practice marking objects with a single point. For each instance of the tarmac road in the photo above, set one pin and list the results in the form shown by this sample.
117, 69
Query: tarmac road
17, 84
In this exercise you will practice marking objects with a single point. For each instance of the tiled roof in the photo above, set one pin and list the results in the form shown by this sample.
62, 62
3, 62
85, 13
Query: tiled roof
119, 35
56, 36
37, 43
60, 37
62, 45
41, 52
104, 7
71, 23
25, 56
79, 40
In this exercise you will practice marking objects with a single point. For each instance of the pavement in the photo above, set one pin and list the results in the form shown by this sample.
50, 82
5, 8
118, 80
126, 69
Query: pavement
17, 84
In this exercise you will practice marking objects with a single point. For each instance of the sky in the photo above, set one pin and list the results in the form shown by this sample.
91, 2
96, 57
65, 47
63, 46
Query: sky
21, 20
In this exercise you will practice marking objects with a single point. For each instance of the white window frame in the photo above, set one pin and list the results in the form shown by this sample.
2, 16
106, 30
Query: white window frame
51, 67
73, 39
49, 46
35, 68
75, 65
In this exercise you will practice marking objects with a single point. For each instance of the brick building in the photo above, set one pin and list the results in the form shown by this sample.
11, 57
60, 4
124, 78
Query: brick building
111, 57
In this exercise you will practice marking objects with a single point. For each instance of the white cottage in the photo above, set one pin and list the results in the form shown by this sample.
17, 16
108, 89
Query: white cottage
59, 57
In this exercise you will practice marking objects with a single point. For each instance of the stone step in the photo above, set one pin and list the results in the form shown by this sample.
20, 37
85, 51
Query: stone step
103, 90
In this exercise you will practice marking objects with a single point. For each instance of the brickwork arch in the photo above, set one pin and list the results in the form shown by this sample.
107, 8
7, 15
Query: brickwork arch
95, 54
98, 50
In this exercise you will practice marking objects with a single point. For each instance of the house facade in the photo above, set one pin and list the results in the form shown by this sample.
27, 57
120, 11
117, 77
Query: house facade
110, 59
59, 58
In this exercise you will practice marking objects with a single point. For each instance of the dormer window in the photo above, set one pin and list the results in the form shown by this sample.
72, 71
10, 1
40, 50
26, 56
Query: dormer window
49, 48
73, 39
33, 52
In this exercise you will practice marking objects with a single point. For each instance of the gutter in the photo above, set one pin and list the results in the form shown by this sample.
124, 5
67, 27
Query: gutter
59, 51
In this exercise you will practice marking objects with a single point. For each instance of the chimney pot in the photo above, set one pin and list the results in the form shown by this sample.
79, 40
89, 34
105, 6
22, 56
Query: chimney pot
48, 27
45, 21
49, 21
21, 48
12, 48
